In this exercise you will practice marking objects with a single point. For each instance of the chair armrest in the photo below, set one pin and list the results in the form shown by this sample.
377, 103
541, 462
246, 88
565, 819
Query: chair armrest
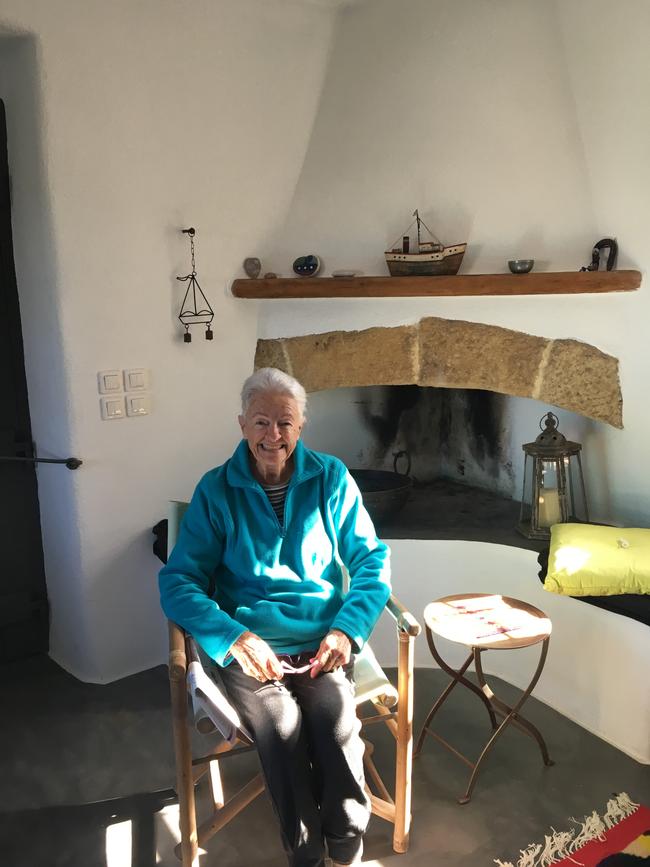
404, 619
177, 652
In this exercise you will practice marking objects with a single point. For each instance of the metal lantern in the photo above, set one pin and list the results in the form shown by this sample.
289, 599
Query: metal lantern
551, 477
195, 309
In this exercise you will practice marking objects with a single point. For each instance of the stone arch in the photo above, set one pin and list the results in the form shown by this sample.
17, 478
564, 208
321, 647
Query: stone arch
450, 353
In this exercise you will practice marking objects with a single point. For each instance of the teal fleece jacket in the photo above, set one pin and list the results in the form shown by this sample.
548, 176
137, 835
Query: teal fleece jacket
284, 583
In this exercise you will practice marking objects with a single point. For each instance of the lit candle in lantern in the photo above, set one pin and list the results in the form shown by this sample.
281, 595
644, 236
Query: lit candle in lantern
549, 507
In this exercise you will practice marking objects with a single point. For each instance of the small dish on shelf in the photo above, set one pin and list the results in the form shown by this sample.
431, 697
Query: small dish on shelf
343, 273
521, 266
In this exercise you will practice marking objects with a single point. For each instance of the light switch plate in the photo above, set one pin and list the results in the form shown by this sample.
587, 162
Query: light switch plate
138, 404
109, 381
136, 379
112, 407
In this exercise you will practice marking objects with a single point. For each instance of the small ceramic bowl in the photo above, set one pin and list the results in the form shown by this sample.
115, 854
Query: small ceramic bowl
521, 266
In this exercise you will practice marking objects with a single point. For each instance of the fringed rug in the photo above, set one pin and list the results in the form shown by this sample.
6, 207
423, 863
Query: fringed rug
620, 838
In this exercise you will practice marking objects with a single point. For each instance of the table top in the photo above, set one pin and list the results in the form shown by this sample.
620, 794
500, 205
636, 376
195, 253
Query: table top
487, 620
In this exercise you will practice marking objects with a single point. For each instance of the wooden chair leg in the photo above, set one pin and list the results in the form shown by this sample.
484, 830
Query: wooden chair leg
404, 744
184, 779
234, 806
373, 773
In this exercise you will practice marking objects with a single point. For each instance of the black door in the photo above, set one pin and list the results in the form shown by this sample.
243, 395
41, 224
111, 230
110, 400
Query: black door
23, 598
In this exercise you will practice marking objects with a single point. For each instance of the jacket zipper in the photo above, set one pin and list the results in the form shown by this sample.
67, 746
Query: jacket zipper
281, 527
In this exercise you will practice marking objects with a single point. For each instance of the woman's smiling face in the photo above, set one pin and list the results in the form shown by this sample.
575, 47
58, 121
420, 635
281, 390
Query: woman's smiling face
272, 425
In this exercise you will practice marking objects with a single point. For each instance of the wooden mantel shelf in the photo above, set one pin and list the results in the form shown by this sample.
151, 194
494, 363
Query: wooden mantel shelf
535, 283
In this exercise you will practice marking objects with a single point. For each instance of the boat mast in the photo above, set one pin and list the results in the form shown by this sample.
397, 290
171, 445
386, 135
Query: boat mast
417, 217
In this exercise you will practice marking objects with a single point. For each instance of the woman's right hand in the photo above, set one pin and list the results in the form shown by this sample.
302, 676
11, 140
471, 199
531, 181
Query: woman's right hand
256, 657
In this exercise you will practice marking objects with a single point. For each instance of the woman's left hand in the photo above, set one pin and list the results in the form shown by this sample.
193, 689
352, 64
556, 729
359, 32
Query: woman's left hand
334, 651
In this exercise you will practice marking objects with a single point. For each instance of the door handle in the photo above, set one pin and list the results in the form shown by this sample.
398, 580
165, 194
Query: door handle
71, 463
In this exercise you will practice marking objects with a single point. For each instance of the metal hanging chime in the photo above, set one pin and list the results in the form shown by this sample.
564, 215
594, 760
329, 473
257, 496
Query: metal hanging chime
195, 309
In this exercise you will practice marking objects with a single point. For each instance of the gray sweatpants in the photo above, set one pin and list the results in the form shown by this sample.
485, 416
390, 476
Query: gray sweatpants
307, 736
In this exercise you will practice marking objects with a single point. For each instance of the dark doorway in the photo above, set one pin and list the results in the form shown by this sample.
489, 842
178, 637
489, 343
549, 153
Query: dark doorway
23, 599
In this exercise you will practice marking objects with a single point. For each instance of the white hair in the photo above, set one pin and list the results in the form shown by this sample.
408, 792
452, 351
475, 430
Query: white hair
273, 380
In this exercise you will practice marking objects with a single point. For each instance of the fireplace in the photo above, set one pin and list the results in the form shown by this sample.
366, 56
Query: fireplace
460, 447
449, 433
455, 399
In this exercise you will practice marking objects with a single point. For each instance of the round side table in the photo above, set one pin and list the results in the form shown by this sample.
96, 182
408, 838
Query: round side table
483, 622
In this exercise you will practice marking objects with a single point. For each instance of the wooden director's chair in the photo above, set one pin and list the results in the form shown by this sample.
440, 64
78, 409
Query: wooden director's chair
388, 705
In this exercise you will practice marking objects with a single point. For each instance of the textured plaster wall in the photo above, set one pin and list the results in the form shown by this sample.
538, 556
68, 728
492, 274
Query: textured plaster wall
517, 126
609, 75
127, 122
524, 129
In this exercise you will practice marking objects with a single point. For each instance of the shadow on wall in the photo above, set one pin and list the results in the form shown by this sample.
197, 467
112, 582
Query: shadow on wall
33, 237
37, 277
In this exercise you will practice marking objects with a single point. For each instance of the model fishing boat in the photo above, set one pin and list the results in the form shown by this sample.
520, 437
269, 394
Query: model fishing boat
430, 258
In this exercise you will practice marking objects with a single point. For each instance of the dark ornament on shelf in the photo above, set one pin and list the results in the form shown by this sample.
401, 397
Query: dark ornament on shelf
604, 244
306, 266
270, 275
195, 309
252, 267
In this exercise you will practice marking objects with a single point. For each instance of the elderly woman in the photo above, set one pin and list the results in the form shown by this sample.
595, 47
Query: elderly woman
270, 530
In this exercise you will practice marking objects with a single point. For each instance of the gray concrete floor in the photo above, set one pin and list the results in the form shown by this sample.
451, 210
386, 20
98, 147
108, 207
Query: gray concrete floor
86, 774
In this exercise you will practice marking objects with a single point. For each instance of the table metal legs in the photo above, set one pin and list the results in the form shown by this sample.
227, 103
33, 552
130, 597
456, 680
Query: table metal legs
493, 705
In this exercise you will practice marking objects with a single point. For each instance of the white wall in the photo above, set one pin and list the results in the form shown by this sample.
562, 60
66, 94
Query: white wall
518, 129
607, 62
596, 669
458, 108
127, 122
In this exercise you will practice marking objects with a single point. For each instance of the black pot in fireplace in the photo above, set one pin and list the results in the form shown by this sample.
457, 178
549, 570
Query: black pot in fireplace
384, 493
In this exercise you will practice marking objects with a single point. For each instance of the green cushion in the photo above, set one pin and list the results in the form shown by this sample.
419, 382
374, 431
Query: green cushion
587, 560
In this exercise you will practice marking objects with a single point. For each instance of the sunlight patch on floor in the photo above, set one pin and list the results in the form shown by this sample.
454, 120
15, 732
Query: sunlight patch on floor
167, 834
119, 844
